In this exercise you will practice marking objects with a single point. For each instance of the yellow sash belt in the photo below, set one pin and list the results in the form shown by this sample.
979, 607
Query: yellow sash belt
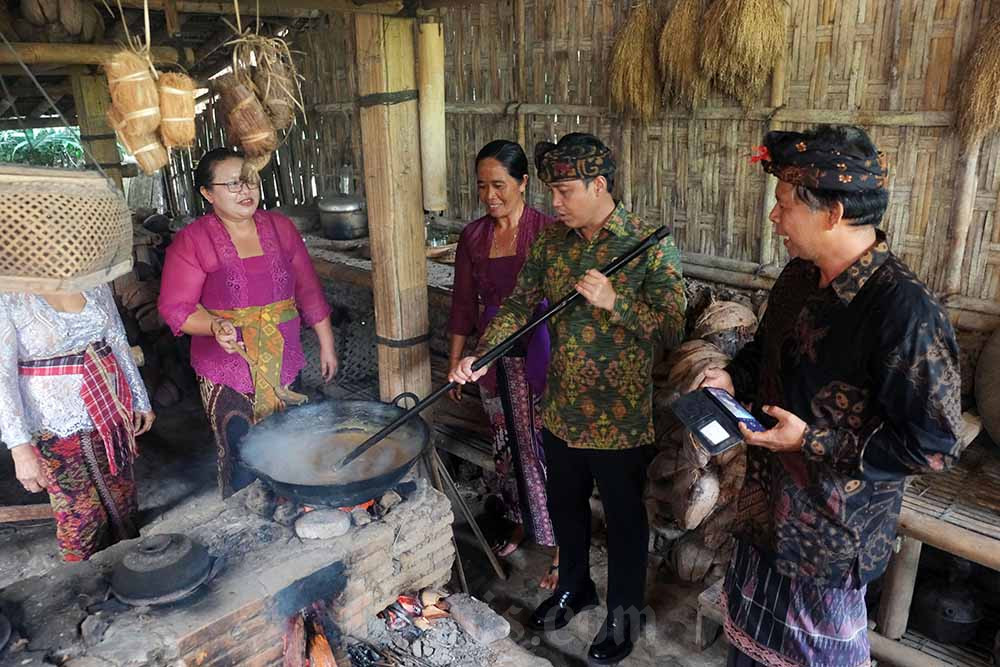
265, 348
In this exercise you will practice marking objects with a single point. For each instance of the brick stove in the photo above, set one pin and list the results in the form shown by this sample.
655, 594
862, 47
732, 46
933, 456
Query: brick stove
240, 616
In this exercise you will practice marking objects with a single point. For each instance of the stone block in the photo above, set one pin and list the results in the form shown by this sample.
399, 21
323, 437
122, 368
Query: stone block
477, 619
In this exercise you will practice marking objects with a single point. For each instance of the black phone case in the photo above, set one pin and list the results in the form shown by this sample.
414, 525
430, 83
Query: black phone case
698, 409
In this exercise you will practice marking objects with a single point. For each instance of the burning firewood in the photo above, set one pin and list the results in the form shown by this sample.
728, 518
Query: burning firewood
320, 653
295, 643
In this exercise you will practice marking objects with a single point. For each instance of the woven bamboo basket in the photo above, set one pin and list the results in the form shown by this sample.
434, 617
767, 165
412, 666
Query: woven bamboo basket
61, 230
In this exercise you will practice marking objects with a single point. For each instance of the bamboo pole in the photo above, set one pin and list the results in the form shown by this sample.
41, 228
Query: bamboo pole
92, 101
966, 184
868, 117
897, 593
390, 138
766, 250
625, 168
953, 539
433, 145
519, 74
77, 54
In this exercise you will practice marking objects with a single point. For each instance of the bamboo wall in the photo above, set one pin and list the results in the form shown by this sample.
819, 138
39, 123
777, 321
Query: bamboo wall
533, 70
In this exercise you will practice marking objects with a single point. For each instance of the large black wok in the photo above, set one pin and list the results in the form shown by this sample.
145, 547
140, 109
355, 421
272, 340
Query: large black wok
294, 451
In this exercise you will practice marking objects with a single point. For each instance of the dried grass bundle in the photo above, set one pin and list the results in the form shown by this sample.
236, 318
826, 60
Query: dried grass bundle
176, 109
743, 41
979, 90
245, 120
633, 82
145, 148
252, 166
684, 84
265, 65
134, 92
40, 12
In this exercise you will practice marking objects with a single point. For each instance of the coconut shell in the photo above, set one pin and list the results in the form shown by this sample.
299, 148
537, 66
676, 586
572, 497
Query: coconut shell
33, 13
50, 8
691, 558
29, 32
71, 16
732, 340
723, 316
88, 31
55, 33
701, 500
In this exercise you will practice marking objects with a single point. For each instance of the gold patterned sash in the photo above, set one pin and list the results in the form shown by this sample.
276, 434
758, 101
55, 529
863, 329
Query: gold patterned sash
265, 349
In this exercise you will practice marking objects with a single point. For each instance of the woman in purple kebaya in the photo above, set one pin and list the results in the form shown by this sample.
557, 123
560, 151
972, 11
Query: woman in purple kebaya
240, 282
491, 251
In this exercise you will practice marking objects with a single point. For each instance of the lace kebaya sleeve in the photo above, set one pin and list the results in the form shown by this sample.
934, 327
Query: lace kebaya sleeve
13, 426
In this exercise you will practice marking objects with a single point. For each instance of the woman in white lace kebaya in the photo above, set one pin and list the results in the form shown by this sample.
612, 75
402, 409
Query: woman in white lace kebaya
71, 404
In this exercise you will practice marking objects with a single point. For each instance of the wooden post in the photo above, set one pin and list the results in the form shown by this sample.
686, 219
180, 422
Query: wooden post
897, 593
433, 146
963, 209
92, 99
766, 250
390, 145
519, 75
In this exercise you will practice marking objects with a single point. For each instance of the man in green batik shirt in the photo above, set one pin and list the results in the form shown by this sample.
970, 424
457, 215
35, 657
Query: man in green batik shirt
597, 406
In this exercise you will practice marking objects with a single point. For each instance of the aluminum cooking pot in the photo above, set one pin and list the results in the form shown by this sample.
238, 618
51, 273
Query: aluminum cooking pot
295, 451
343, 217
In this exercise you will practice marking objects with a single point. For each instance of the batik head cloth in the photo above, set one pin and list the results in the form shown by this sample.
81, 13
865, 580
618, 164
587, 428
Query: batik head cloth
573, 160
796, 158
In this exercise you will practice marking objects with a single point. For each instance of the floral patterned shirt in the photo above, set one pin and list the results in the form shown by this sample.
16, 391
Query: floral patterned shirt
599, 390
870, 363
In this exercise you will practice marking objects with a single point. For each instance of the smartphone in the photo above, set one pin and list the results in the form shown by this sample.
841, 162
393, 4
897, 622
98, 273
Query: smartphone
727, 402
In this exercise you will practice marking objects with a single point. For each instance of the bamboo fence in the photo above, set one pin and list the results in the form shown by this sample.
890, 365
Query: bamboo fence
532, 70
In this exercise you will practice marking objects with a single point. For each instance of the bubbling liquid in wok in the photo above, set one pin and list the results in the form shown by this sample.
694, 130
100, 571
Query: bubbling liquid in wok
304, 448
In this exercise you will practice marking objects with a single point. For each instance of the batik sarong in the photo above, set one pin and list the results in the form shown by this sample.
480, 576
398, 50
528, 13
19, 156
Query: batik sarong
781, 621
517, 450
93, 507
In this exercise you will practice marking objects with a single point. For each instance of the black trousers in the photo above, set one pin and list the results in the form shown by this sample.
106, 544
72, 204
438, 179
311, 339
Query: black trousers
620, 477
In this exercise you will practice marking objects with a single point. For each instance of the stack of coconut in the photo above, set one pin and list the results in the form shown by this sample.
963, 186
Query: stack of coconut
258, 99
150, 112
59, 21
691, 496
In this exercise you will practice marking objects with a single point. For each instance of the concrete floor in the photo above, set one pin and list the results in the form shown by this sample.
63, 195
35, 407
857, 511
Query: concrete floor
176, 473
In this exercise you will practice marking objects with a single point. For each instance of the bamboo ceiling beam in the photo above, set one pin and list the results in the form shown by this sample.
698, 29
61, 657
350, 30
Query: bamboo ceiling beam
34, 123
300, 9
87, 54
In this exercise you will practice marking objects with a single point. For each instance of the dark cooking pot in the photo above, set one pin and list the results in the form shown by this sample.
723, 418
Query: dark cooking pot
343, 217
160, 569
947, 612
295, 451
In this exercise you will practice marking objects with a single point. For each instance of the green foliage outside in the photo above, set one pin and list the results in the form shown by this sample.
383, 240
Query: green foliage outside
45, 147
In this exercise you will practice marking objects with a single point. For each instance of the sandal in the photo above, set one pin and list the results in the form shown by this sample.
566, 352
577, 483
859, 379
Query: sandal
551, 579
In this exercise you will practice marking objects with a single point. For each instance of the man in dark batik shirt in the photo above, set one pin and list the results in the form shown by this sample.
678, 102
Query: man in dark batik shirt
854, 370
597, 406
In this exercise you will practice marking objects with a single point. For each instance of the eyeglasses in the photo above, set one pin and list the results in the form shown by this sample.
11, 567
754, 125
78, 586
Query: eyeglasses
235, 186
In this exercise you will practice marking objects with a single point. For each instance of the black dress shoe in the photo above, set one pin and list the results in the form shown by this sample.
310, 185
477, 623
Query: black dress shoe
560, 608
614, 641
